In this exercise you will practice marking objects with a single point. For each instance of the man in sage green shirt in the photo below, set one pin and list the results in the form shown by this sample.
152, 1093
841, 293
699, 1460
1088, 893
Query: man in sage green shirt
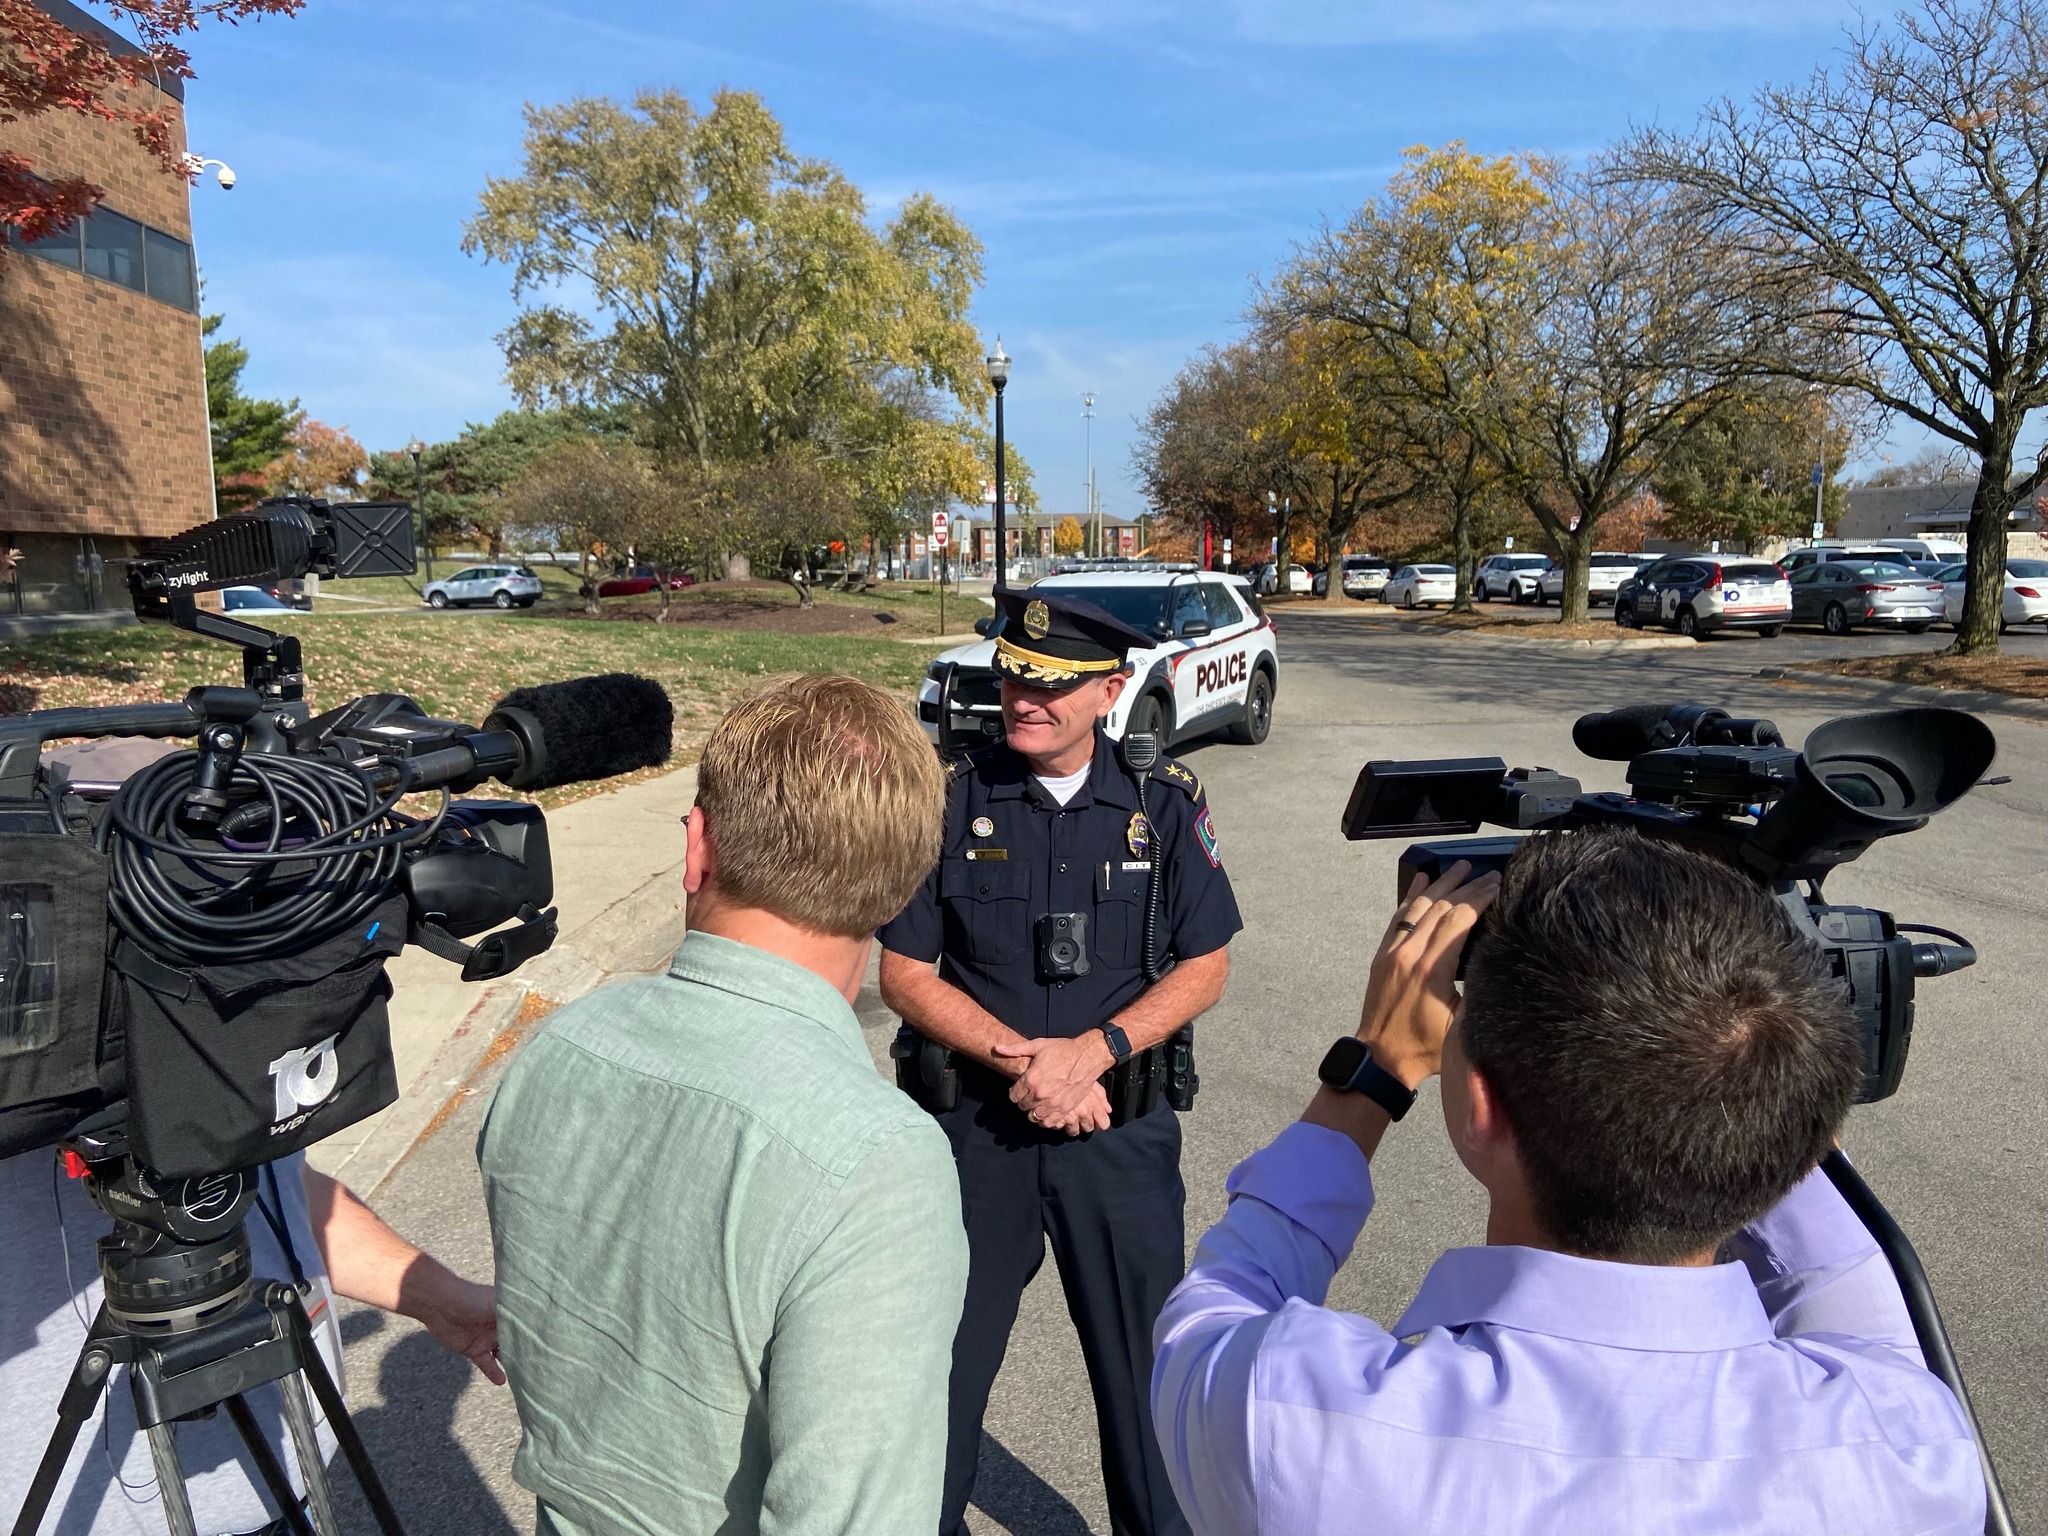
729, 1255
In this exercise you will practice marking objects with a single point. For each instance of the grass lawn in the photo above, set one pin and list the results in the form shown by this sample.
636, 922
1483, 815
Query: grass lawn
912, 608
2021, 672
454, 667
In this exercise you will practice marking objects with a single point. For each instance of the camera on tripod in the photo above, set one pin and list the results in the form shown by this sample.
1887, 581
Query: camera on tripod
193, 951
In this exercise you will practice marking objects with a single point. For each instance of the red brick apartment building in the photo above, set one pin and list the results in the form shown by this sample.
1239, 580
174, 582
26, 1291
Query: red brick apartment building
103, 430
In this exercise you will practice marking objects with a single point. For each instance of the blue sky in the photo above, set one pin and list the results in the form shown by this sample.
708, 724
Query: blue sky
1133, 166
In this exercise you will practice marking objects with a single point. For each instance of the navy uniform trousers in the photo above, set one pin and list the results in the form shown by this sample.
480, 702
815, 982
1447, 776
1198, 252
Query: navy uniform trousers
1111, 1205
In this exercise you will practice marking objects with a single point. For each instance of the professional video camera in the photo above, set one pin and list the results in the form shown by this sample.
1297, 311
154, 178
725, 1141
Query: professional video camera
192, 953
1730, 786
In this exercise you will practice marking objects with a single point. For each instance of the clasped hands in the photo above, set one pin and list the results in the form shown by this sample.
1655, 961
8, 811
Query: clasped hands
1060, 1085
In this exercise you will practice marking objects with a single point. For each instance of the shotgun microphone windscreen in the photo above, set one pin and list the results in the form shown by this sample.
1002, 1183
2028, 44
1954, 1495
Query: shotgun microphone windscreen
586, 728
1619, 734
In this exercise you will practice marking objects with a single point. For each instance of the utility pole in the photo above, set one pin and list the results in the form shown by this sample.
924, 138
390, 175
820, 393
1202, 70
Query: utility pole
1088, 439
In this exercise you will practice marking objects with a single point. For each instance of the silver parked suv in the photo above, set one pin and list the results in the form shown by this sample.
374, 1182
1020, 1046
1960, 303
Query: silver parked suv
502, 586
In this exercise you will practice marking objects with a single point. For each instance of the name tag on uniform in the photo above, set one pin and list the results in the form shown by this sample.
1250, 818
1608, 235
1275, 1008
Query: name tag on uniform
1138, 867
988, 853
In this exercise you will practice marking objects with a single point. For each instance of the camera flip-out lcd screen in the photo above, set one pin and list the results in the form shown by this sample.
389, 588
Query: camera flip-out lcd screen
1409, 799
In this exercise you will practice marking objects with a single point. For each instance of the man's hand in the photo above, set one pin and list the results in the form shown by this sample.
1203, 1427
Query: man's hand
1058, 1077
461, 1315
1412, 994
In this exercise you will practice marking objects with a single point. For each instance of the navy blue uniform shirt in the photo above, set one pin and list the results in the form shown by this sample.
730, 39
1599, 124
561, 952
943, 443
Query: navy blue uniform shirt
1012, 853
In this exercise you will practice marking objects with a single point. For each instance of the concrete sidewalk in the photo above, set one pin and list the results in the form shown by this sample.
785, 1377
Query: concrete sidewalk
619, 887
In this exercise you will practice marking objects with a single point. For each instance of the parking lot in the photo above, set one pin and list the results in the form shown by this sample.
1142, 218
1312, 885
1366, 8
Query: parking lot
1956, 1153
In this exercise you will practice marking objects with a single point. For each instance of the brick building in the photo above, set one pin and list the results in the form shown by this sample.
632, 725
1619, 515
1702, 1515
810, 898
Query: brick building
103, 430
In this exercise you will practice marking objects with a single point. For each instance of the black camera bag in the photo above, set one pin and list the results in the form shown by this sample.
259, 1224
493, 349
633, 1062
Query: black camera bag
55, 1066
232, 1065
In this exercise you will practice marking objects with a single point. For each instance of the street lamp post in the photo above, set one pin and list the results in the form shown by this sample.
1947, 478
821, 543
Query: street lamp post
419, 503
999, 375
1820, 460
1088, 440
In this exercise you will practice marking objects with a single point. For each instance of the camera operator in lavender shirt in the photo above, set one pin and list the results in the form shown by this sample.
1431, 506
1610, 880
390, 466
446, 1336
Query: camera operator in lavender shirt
1676, 1324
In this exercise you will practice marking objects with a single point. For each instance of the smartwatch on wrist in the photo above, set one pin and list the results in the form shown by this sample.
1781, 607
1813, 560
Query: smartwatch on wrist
1349, 1068
1119, 1043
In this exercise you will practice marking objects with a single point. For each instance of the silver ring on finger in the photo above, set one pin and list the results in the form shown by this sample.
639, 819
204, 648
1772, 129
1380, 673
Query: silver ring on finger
1405, 925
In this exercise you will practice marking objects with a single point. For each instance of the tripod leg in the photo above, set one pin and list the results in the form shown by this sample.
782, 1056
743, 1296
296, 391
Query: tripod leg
81, 1396
307, 1447
266, 1464
170, 1480
314, 1368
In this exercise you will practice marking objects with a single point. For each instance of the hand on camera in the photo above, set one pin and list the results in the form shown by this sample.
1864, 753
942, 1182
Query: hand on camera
1412, 995
1059, 1088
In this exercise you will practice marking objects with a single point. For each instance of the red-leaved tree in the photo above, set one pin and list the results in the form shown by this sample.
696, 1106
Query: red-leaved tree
46, 67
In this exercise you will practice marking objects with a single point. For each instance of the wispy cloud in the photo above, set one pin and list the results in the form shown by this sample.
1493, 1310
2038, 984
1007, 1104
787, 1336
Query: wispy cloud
1328, 23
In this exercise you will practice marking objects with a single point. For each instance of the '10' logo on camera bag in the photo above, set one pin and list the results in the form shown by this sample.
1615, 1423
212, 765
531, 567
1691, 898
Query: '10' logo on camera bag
303, 1078
1223, 672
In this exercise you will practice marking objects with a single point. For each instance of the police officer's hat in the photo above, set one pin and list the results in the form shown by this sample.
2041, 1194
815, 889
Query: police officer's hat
1057, 640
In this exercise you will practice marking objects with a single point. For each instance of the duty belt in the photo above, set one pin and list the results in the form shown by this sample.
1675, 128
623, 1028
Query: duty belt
930, 1074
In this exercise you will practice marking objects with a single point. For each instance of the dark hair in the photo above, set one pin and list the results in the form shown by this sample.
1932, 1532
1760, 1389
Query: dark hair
1665, 1044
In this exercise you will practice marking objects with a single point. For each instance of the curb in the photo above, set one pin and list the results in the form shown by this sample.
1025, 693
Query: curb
1909, 693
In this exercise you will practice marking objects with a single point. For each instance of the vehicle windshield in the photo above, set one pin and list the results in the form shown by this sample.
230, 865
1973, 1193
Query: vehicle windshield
1887, 571
1624, 562
1363, 563
2033, 570
1435, 570
1140, 607
1512, 562
1751, 573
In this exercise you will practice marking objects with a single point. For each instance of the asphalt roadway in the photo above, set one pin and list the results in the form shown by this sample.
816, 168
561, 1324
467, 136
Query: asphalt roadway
1957, 1153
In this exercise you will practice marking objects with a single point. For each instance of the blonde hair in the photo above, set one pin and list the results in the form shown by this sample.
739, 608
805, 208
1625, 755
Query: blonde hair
824, 801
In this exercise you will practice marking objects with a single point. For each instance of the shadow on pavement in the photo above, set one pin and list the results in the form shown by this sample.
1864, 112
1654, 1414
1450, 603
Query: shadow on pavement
1018, 1499
412, 1441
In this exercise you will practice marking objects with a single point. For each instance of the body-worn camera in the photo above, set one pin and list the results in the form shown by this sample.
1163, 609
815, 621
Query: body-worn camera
1731, 787
1062, 945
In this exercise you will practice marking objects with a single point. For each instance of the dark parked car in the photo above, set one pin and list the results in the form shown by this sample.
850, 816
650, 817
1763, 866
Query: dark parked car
1698, 594
262, 600
642, 579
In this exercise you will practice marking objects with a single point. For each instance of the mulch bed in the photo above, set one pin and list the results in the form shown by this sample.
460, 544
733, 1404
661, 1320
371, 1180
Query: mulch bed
2023, 676
750, 605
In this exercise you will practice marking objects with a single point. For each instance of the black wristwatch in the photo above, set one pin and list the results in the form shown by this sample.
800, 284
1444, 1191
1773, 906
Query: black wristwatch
1349, 1068
1119, 1043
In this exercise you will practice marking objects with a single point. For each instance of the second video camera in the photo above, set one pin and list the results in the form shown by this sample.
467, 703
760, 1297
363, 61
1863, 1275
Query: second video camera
1730, 786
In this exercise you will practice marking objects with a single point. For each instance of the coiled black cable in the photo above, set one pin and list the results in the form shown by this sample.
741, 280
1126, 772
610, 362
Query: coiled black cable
310, 846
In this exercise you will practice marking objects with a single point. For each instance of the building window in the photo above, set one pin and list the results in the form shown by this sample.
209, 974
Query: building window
168, 267
110, 245
113, 247
62, 247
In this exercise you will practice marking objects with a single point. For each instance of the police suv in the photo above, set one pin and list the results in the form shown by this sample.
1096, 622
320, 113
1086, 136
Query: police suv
1215, 666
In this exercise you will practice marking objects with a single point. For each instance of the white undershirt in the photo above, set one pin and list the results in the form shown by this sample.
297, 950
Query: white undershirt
1066, 786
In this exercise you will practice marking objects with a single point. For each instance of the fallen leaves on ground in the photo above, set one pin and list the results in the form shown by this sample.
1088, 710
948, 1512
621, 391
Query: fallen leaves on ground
2023, 675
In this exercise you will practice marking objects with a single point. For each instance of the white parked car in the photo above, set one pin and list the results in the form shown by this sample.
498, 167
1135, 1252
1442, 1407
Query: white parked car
1510, 576
1604, 577
2026, 592
1297, 579
1364, 575
1414, 585
502, 586
1216, 665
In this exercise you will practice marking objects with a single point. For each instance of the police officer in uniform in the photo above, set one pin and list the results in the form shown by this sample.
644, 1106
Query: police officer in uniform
1051, 1045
